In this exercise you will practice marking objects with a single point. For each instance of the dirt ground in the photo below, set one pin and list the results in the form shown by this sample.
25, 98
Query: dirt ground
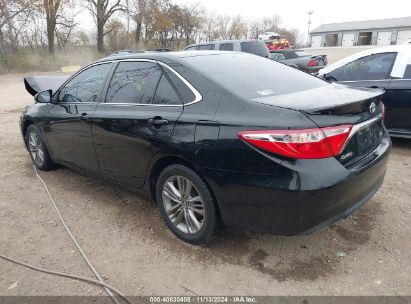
130, 246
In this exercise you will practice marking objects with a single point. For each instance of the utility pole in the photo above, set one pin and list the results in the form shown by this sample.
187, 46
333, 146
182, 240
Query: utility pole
309, 25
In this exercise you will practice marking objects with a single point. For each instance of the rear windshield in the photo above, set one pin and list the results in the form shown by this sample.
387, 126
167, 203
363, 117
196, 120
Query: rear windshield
252, 76
255, 47
301, 53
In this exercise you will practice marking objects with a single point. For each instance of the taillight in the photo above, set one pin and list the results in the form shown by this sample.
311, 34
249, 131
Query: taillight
312, 63
300, 144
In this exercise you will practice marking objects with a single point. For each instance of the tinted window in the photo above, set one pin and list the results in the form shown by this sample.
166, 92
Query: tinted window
407, 73
301, 54
276, 56
206, 47
165, 93
253, 76
134, 82
226, 47
372, 67
85, 86
185, 93
191, 48
255, 47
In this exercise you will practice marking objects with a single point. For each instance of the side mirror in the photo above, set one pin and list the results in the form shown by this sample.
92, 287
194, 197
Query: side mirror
43, 97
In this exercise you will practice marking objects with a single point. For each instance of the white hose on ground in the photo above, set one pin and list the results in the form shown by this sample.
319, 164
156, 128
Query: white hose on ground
67, 275
99, 280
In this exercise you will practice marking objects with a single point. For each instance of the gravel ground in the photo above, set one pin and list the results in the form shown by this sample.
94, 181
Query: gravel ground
130, 246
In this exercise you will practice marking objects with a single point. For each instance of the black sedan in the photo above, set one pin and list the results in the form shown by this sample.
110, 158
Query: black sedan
215, 138
387, 68
299, 59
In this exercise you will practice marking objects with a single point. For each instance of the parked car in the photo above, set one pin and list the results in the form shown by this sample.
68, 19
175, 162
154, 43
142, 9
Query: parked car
215, 137
256, 47
387, 68
299, 59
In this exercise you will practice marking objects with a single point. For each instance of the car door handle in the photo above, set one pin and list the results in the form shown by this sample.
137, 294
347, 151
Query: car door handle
84, 116
157, 122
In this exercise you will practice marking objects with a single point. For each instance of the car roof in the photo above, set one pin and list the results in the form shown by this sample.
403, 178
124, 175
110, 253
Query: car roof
403, 57
223, 41
165, 55
286, 50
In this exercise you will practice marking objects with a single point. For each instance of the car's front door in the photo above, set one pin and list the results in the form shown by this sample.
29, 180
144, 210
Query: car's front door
68, 130
139, 113
398, 104
371, 71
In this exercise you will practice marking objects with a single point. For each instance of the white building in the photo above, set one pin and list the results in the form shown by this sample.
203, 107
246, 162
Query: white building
369, 32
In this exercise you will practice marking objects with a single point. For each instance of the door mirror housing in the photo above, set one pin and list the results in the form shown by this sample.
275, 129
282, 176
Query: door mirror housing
43, 97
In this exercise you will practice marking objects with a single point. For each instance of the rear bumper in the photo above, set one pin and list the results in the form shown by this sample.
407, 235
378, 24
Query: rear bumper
316, 196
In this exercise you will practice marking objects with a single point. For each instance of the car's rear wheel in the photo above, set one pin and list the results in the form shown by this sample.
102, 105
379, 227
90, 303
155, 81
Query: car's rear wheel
187, 205
38, 150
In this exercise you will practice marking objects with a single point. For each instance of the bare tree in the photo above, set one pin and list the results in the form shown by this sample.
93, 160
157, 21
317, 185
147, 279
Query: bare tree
238, 28
102, 11
139, 9
50, 8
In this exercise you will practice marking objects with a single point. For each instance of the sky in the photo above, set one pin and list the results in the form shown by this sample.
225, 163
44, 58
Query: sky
294, 13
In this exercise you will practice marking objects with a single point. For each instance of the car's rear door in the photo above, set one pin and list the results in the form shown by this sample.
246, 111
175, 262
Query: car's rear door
68, 127
139, 113
398, 105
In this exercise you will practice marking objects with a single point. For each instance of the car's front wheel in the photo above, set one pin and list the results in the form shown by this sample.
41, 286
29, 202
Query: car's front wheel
187, 205
37, 149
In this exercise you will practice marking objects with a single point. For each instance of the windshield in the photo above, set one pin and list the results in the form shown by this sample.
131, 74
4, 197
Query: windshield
252, 76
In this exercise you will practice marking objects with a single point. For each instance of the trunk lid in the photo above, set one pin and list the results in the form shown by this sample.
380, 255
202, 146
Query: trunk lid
335, 105
39, 84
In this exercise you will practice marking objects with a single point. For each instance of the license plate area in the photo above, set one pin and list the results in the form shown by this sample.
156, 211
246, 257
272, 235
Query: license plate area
364, 141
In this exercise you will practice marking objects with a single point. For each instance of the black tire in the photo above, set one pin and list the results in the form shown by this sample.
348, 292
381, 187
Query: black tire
44, 163
211, 219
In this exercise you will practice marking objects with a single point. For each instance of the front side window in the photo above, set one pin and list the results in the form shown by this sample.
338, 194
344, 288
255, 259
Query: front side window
372, 67
206, 47
226, 47
85, 86
134, 82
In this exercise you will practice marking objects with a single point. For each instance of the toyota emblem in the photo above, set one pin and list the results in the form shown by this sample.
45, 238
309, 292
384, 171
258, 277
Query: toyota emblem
372, 107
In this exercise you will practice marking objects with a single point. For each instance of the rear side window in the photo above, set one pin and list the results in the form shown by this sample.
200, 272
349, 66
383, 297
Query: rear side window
407, 73
226, 47
165, 93
134, 82
85, 86
186, 94
255, 47
252, 76
191, 48
206, 47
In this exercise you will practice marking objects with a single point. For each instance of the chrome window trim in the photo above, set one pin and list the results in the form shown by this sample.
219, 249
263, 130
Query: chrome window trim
357, 127
198, 96
74, 75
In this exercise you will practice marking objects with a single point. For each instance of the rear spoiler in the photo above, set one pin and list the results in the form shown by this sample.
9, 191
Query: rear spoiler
39, 84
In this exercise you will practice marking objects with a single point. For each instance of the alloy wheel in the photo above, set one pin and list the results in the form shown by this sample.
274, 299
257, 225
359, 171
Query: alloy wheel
183, 204
35, 148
